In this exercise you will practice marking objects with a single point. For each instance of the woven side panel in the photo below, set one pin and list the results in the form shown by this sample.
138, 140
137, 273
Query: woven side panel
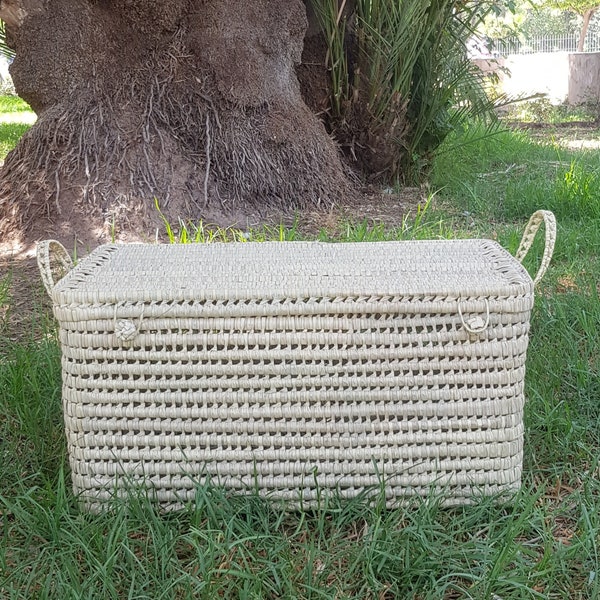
296, 404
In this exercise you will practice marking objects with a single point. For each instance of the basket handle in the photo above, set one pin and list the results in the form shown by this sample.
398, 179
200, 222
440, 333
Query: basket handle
54, 263
537, 218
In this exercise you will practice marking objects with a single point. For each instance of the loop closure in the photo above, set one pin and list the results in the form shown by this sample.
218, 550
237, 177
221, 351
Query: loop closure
475, 324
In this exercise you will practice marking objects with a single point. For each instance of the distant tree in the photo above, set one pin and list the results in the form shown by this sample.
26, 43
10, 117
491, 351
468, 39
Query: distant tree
532, 18
545, 21
585, 8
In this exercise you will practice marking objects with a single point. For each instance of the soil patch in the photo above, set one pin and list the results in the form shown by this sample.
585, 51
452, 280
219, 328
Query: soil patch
25, 309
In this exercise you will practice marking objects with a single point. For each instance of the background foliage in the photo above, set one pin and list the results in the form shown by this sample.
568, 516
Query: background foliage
4, 49
402, 80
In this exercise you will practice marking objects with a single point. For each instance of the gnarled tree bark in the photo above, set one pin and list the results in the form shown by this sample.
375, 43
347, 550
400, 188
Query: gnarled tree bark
192, 102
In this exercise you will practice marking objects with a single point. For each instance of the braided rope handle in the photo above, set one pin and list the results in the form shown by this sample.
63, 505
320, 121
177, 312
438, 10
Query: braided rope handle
54, 263
537, 218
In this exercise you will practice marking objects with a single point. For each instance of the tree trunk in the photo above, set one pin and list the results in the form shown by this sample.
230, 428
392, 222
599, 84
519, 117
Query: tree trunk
192, 102
587, 17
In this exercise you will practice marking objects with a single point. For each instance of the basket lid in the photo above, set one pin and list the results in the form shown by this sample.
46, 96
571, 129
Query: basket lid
251, 270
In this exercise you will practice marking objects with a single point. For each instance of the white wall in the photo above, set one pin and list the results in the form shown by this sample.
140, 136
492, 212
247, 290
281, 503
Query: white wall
4, 74
538, 74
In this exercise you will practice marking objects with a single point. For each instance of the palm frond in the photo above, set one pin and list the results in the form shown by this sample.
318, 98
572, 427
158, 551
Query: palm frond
4, 48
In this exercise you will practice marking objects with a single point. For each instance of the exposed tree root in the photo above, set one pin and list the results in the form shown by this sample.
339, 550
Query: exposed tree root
166, 131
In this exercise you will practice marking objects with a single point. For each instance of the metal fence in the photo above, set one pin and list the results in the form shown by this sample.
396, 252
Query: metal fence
556, 43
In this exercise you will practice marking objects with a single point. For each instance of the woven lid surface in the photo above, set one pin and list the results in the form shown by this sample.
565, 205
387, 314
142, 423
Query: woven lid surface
292, 269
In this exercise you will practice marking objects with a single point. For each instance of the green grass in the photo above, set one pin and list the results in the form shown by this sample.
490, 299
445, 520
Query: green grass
10, 134
12, 104
510, 174
418, 226
543, 544
13, 113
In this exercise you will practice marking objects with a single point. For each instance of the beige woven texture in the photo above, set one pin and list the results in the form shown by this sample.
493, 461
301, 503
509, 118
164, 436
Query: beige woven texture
295, 368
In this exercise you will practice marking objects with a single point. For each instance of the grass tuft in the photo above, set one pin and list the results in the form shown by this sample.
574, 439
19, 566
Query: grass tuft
13, 104
10, 134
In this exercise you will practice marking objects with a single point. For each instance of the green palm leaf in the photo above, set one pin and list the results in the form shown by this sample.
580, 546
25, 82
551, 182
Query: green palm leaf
4, 48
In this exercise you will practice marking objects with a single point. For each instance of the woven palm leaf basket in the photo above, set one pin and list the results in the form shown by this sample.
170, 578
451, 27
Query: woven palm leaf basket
295, 368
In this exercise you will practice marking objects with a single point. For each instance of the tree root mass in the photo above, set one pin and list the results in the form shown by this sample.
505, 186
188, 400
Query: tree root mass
194, 105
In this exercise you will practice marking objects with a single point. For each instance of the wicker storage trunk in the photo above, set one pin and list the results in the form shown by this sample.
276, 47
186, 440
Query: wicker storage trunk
294, 368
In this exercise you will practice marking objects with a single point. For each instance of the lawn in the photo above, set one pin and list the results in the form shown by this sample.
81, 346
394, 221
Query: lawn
544, 543
15, 119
